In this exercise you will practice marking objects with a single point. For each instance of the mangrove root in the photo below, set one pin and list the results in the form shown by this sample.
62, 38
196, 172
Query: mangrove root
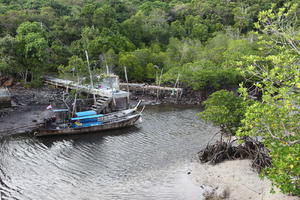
250, 149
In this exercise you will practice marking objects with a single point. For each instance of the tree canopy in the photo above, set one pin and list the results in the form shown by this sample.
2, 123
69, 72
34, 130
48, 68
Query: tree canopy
274, 78
197, 39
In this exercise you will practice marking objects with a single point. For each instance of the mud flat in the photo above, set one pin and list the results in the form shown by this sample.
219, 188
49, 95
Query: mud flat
28, 109
22, 121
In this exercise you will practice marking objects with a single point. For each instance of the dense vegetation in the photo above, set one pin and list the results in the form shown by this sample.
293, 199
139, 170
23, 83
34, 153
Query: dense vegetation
206, 44
275, 78
198, 42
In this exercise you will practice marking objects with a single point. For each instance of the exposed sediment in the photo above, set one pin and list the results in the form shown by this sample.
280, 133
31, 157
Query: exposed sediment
186, 96
235, 180
28, 109
22, 121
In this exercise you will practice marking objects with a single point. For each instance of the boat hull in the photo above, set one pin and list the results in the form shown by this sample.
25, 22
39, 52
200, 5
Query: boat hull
129, 121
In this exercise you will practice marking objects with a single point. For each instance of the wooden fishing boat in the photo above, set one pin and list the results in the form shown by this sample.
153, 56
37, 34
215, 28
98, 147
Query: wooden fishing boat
91, 125
88, 121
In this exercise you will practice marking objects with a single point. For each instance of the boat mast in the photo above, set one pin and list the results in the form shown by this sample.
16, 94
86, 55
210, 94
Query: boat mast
91, 77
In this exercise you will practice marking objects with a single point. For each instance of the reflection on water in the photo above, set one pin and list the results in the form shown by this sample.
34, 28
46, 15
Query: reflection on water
149, 161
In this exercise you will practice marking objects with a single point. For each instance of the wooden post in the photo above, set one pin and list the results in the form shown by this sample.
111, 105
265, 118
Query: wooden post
91, 77
25, 77
64, 100
107, 70
126, 78
75, 99
159, 83
177, 80
176, 85
112, 92
74, 105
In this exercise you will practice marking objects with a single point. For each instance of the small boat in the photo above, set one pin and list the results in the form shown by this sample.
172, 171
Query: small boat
94, 126
90, 121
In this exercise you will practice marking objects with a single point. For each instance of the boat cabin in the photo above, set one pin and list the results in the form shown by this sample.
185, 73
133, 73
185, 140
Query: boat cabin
61, 115
86, 119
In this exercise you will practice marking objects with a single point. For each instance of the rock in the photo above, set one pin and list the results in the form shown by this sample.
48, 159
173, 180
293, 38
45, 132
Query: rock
225, 193
134, 98
8, 83
14, 104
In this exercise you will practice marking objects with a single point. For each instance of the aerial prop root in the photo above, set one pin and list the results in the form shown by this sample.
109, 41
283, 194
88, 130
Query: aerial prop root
231, 150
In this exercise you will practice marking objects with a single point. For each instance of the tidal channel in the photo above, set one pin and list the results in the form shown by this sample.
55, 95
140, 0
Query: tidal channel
148, 162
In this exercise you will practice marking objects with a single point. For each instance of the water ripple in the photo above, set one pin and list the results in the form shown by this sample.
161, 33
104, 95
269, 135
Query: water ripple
144, 162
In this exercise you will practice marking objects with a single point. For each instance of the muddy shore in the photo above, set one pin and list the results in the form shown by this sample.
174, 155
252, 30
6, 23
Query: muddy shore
29, 105
28, 109
229, 180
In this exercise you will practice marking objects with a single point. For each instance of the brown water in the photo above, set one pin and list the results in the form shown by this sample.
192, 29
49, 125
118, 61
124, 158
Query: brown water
146, 162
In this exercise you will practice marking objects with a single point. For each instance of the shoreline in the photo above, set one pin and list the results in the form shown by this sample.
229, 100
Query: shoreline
24, 120
235, 180
28, 110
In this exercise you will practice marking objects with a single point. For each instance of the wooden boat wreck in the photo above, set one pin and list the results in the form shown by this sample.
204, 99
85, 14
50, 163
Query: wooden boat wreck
89, 121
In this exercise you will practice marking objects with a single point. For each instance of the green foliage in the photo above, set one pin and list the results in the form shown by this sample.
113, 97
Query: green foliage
76, 66
59, 55
104, 16
208, 44
135, 70
37, 83
210, 66
48, 33
177, 30
224, 109
155, 26
30, 27
276, 118
272, 68
151, 71
132, 28
8, 47
285, 170
32, 51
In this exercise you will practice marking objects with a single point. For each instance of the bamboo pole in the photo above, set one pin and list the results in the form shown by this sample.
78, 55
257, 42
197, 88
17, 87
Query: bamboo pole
177, 80
112, 92
91, 77
126, 78
107, 69
64, 100
159, 83
75, 99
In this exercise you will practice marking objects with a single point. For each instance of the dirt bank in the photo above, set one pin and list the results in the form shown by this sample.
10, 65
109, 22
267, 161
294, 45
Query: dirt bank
24, 120
28, 109
235, 180
188, 96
